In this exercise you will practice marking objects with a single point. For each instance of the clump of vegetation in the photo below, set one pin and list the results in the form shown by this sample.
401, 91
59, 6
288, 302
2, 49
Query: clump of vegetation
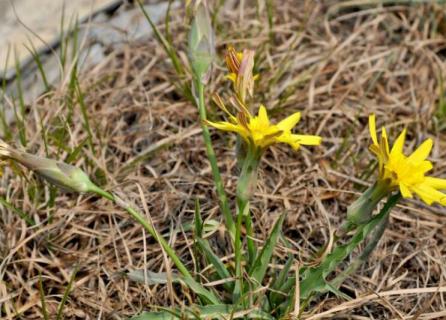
252, 278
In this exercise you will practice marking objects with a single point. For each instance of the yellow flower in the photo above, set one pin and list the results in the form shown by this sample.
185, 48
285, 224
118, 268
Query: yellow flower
257, 131
406, 173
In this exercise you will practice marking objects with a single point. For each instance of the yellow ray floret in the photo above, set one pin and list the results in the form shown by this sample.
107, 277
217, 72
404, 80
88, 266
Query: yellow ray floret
406, 173
259, 132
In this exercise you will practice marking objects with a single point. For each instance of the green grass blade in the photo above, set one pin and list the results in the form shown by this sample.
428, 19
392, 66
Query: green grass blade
20, 116
276, 297
220, 268
164, 42
42, 299
29, 221
5, 126
198, 221
81, 100
36, 57
65, 295
260, 266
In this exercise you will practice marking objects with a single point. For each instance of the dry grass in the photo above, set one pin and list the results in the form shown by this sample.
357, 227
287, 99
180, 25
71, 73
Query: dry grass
336, 65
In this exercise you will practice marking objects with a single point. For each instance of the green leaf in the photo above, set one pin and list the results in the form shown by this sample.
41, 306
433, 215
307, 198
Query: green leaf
313, 279
218, 311
65, 295
198, 220
220, 268
275, 296
150, 278
260, 265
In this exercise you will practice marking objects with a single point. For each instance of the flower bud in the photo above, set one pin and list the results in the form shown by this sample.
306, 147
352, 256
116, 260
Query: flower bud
360, 211
201, 43
61, 174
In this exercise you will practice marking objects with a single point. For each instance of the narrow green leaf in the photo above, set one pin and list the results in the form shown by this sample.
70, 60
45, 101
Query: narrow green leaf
23, 215
313, 279
219, 311
260, 266
65, 295
150, 277
198, 220
275, 296
220, 268
42, 299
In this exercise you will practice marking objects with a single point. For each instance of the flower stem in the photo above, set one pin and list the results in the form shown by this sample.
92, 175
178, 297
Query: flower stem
245, 187
213, 161
375, 238
189, 280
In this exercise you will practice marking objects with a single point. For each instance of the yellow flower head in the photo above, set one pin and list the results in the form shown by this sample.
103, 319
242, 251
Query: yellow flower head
407, 173
258, 132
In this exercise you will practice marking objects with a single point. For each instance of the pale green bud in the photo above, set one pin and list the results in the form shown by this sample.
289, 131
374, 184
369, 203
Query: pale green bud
61, 174
201, 43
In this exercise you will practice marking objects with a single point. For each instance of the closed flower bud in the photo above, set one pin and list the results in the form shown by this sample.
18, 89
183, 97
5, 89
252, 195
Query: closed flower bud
61, 174
201, 43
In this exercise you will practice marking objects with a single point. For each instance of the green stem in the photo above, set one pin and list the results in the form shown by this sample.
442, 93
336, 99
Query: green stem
245, 187
360, 211
242, 206
190, 281
213, 161
375, 238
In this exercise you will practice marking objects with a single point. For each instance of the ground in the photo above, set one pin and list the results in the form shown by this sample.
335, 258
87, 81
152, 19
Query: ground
336, 62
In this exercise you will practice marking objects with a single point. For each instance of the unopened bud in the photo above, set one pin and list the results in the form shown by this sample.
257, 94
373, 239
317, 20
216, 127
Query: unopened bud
360, 211
201, 43
61, 174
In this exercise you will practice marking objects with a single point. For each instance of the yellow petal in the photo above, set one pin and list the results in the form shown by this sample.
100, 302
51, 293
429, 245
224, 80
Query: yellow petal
263, 116
429, 194
307, 140
422, 151
288, 123
372, 128
436, 183
425, 166
399, 144
405, 192
227, 126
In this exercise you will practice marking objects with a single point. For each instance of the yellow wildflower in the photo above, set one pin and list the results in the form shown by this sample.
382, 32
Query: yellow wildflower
259, 132
406, 173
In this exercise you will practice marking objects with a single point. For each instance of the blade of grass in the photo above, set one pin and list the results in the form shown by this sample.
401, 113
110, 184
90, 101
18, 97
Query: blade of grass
198, 220
81, 100
65, 295
163, 41
42, 299
36, 57
170, 51
220, 268
29, 221
20, 116
6, 130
